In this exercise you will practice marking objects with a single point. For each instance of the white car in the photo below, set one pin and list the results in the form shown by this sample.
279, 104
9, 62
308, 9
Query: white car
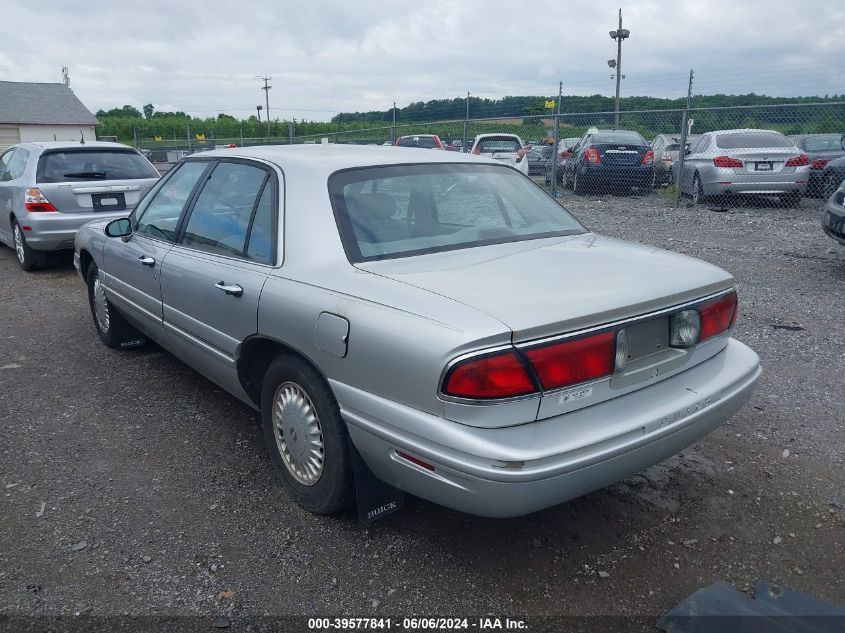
506, 148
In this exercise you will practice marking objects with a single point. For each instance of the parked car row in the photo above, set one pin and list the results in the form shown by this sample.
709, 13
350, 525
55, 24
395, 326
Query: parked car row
375, 306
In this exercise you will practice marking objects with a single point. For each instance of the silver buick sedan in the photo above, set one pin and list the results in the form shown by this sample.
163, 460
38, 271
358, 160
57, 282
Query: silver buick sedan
436, 314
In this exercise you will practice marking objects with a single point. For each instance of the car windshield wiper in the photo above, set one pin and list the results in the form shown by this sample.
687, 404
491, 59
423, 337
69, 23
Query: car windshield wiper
85, 174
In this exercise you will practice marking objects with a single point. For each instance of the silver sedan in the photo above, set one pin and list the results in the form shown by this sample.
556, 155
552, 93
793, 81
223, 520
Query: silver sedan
435, 313
757, 162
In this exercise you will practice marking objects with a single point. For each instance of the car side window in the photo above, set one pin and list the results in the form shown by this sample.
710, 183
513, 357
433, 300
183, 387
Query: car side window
13, 163
261, 233
4, 165
161, 215
222, 215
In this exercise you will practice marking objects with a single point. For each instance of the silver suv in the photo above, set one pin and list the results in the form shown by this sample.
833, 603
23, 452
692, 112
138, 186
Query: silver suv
49, 190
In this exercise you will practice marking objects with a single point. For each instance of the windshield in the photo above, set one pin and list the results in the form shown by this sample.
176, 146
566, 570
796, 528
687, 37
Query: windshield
102, 164
743, 140
402, 210
828, 142
618, 137
498, 144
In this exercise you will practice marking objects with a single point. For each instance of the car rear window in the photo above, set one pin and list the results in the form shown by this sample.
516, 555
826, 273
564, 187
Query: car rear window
101, 164
618, 137
427, 142
673, 147
403, 210
829, 142
502, 144
742, 140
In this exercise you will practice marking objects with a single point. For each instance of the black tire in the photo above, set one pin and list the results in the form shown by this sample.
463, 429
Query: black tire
112, 327
28, 259
578, 188
698, 196
333, 489
829, 187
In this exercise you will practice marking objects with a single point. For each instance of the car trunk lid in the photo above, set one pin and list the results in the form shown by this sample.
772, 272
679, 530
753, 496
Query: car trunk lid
551, 286
620, 154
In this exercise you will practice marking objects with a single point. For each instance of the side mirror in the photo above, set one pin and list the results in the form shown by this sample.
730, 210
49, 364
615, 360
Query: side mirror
121, 227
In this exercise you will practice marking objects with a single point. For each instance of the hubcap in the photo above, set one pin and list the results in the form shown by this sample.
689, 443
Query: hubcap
101, 305
19, 245
299, 436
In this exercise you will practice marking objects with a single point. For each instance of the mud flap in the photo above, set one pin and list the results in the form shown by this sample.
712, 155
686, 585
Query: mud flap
375, 498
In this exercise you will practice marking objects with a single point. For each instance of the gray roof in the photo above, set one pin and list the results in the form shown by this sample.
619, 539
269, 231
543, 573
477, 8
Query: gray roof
50, 104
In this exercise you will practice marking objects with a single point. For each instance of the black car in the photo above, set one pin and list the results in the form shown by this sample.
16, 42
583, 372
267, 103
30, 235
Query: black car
618, 160
537, 156
821, 149
832, 176
833, 217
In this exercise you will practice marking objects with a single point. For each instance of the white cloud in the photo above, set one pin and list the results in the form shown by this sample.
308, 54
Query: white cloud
329, 56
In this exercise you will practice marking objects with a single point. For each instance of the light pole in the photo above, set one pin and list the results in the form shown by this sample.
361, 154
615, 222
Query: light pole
618, 35
266, 89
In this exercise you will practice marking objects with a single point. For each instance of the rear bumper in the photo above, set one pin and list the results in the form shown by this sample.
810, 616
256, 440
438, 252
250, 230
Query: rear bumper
517, 470
52, 231
625, 175
725, 180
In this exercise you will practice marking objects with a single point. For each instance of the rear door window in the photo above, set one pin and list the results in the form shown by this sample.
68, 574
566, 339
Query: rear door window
74, 165
223, 213
13, 164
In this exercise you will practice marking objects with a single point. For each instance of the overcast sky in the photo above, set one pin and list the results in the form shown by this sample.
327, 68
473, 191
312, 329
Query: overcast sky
327, 56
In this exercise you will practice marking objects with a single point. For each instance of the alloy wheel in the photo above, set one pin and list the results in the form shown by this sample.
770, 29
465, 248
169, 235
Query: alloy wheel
19, 246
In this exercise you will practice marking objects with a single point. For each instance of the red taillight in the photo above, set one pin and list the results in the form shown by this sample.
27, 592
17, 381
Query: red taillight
648, 157
571, 362
398, 138
34, 200
498, 376
566, 154
727, 161
591, 155
520, 155
718, 315
476, 151
819, 163
798, 161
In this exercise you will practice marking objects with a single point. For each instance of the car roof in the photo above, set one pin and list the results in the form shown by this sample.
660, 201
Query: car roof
417, 135
478, 136
322, 160
747, 130
72, 145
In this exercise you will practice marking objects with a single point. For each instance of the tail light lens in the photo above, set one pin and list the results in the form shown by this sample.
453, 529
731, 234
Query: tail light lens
648, 157
571, 362
34, 200
798, 161
718, 315
476, 151
591, 155
520, 155
566, 154
727, 161
820, 163
500, 375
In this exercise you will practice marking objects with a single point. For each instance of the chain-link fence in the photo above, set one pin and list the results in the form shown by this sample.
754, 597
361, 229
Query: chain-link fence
746, 156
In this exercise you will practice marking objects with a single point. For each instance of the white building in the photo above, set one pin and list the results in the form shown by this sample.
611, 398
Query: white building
42, 112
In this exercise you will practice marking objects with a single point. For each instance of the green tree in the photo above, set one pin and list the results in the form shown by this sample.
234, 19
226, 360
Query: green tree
148, 111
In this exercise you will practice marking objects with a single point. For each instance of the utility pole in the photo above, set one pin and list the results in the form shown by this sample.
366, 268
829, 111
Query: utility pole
556, 138
266, 90
682, 146
619, 35
465, 139
393, 129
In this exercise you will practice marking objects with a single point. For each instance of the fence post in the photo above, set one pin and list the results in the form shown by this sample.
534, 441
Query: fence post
465, 136
188, 130
291, 131
135, 135
682, 146
556, 136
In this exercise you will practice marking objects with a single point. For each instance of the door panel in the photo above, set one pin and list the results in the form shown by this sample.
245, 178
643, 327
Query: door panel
205, 324
134, 285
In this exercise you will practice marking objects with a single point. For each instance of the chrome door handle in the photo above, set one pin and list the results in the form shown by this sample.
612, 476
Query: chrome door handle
230, 289
146, 260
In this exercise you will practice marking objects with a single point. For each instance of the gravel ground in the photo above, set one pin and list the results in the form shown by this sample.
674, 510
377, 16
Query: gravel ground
131, 485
